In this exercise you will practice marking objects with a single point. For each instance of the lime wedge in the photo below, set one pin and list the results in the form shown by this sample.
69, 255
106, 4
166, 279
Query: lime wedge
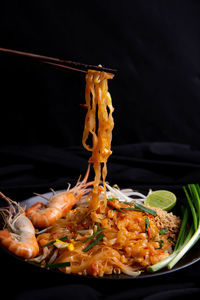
162, 199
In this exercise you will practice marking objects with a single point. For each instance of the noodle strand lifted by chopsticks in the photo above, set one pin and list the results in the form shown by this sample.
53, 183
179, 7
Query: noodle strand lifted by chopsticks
99, 103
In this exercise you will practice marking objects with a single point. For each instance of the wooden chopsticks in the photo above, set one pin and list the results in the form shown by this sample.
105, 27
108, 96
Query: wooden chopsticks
59, 63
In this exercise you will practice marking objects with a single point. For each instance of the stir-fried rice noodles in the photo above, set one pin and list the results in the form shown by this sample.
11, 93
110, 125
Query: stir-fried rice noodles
106, 233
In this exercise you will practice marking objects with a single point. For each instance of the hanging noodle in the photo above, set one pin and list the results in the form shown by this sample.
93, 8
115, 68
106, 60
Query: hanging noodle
99, 103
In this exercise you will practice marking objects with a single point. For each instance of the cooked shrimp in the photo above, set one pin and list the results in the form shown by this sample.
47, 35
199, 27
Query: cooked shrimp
19, 235
58, 205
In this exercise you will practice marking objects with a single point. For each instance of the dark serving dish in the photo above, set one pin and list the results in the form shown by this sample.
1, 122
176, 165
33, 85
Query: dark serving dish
190, 258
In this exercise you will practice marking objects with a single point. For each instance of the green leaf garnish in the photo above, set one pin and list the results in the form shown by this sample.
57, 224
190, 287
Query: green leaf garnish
94, 235
161, 244
137, 207
64, 238
145, 209
147, 224
116, 208
112, 199
100, 237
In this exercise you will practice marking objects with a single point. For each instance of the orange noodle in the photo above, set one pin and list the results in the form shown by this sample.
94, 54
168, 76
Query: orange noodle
99, 103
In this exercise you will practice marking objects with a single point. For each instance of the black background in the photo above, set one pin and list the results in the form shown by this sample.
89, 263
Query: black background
155, 46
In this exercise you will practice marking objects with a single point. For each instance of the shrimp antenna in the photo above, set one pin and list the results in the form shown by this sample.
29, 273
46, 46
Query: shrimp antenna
69, 185
6, 198
52, 190
11, 204
42, 196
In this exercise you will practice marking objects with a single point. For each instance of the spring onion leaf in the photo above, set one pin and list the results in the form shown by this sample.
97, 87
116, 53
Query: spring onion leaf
161, 244
145, 209
196, 191
116, 208
162, 264
100, 237
192, 208
146, 225
112, 199
147, 228
181, 235
64, 238
92, 236
184, 249
139, 207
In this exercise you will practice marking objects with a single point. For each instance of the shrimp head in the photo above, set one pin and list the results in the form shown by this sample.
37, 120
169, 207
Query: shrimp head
18, 235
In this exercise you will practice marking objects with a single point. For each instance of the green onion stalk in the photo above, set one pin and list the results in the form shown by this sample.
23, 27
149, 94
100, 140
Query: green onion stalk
187, 238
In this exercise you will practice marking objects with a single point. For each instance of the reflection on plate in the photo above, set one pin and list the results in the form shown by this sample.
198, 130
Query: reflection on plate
190, 258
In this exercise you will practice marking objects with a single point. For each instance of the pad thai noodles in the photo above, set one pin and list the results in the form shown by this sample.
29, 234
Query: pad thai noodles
93, 228
126, 238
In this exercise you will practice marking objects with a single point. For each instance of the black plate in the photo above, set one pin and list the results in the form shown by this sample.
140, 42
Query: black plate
190, 258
